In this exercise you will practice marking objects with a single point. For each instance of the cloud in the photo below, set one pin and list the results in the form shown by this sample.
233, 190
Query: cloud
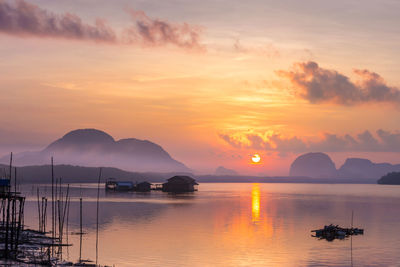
318, 85
26, 19
383, 141
268, 50
155, 32
230, 140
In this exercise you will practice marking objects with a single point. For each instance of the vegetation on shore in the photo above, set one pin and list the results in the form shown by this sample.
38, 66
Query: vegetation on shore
390, 178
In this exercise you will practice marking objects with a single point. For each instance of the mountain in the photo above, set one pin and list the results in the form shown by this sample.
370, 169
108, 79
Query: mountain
221, 170
91, 147
364, 168
320, 165
314, 165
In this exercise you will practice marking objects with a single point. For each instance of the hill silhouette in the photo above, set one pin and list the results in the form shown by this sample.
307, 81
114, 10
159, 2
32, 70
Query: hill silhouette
364, 168
221, 170
315, 165
91, 147
320, 165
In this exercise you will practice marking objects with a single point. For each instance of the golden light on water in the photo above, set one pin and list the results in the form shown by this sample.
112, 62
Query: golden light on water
255, 202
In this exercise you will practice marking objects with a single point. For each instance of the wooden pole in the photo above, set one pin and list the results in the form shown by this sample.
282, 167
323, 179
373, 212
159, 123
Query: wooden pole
352, 216
97, 217
55, 207
1, 210
45, 215
38, 205
12, 234
59, 221
20, 215
4, 210
15, 180
42, 210
64, 209
52, 206
69, 201
7, 229
11, 158
80, 233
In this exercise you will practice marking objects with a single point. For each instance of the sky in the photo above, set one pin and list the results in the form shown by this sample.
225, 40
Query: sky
212, 82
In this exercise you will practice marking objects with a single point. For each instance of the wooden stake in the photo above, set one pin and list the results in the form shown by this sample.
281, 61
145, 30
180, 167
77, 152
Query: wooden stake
97, 218
15, 180
64, 209
52, 206
80, 233
45, 215
7, 229
352, 216
38, 205
11, 158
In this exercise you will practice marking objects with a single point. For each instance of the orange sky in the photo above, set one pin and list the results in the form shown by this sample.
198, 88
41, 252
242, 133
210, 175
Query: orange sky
237, 78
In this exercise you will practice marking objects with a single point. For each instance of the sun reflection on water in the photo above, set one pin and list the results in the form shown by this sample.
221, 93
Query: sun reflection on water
255, 203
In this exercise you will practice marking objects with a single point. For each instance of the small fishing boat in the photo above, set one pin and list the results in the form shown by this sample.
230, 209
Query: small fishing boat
331, 232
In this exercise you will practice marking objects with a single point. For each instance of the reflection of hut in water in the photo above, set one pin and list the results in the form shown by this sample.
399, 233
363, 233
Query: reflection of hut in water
180, 184
143, 187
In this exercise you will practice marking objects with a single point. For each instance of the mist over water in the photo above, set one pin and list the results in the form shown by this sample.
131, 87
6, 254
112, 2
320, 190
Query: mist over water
233, 225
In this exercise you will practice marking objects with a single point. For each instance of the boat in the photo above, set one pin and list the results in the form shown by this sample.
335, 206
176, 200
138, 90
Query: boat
331, 232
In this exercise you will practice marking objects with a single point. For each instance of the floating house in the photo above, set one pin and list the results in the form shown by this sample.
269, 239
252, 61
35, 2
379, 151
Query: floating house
143, 187
179, 184
113, 185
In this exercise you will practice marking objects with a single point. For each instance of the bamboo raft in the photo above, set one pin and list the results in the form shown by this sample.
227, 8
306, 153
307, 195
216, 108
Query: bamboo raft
331, 232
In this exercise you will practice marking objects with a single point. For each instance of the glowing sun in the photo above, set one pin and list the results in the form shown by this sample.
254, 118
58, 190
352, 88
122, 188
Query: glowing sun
255, 158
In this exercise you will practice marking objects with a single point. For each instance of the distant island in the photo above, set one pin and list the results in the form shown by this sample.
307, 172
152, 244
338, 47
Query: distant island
392, 178
316, 165
320, 165
92, 147
221, 170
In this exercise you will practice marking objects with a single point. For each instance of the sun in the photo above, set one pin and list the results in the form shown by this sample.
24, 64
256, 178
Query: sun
255, 158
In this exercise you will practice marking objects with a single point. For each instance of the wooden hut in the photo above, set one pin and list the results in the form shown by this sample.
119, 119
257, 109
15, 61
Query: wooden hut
180, 184
143, 187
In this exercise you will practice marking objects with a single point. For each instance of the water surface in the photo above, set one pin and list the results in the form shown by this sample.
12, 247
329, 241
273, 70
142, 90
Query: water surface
233, 225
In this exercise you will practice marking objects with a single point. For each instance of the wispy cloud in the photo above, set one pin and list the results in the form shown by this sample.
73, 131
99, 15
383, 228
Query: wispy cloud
24, 19
231, 140
318, 85
267, 50
382, 141
156, 32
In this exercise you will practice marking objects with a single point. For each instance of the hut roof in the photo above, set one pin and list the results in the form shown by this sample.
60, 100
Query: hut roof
182, 180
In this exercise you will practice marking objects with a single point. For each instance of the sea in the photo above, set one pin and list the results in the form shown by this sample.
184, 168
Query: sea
228, 224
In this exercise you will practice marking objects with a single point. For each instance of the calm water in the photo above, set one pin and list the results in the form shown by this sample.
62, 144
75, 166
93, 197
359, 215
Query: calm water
234, 225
